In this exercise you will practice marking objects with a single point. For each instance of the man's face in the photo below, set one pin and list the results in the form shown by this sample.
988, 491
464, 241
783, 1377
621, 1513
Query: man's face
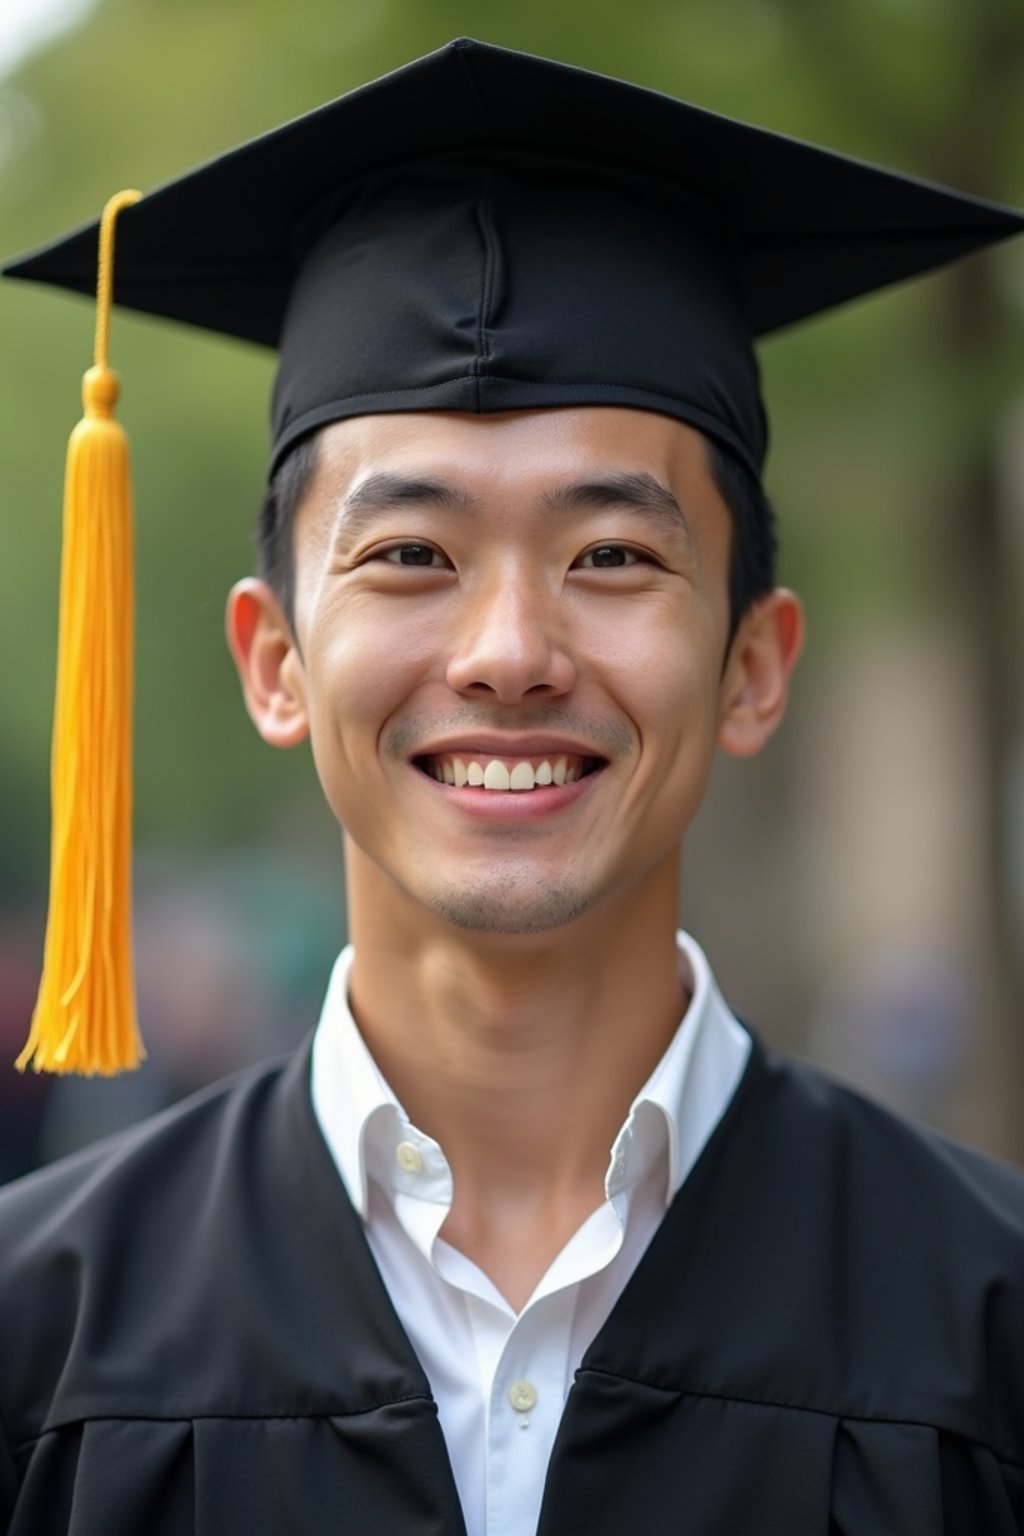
534, 599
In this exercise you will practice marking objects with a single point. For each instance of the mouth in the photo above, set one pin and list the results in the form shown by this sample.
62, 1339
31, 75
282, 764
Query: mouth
506, 775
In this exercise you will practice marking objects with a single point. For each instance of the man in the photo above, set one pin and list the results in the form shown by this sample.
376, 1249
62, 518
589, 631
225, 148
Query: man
534, 1235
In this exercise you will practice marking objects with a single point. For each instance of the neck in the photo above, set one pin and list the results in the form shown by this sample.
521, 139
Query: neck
520, 1054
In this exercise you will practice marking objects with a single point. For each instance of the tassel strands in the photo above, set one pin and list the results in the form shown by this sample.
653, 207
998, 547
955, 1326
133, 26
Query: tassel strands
84, 1019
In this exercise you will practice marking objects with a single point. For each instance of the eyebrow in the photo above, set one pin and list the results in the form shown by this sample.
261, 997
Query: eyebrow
383, 491
637, 490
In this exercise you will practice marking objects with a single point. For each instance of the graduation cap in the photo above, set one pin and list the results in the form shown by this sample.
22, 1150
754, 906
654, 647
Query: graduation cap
478, 231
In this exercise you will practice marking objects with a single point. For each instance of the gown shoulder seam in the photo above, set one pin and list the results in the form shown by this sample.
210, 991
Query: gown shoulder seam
965, 1428
69, 1420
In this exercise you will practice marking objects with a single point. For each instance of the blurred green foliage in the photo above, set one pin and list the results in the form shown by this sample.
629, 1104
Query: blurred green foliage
874, 411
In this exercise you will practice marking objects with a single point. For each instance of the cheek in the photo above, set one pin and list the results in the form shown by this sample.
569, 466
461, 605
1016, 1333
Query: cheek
664, 672
359, 670
681, 721
663, 659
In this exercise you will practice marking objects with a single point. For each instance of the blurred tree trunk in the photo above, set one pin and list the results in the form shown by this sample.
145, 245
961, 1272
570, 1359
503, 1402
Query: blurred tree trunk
992, 78
966, 145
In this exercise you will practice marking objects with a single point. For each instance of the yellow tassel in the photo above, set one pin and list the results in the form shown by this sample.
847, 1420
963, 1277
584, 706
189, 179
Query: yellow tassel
84, 1019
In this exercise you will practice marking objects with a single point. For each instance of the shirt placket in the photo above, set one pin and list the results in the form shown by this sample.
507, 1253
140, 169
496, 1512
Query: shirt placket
524, 1408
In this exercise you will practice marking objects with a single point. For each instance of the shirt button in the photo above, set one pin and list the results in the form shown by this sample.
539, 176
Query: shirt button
408, 1157
522, 1395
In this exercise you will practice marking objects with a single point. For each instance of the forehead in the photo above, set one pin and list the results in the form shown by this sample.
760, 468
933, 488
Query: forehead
521, 453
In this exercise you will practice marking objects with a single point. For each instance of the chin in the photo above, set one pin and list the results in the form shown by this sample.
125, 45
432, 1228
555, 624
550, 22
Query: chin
511, 910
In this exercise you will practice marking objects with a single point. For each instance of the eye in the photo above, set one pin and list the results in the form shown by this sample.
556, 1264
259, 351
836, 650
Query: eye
610, 557
421, 555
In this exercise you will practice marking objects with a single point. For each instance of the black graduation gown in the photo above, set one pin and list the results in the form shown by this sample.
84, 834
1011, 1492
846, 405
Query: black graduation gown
825, 1336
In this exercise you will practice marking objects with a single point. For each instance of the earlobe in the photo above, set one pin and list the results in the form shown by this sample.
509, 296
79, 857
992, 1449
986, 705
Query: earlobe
269, 664
755, 685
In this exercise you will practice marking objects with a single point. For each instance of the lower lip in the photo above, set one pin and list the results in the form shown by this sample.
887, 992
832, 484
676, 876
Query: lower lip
497, 805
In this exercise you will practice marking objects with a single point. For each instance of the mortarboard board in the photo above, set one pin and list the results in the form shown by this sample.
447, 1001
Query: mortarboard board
486, 230
483, 230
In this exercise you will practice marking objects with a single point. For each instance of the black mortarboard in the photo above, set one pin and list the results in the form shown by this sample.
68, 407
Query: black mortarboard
479, 231
483, 230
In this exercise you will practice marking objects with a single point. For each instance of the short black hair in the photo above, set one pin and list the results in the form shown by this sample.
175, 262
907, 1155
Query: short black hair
275, 540
752, 556
753, 552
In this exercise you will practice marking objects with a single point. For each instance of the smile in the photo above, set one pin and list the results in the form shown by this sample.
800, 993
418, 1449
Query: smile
506, 774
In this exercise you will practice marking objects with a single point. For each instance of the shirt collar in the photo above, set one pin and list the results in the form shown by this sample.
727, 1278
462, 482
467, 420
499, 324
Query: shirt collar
370, 1135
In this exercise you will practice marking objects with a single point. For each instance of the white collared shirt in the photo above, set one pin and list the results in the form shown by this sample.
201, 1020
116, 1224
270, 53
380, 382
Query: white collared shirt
500, 1378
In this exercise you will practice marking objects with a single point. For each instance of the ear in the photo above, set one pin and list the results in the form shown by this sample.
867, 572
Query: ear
269, 663
755, 683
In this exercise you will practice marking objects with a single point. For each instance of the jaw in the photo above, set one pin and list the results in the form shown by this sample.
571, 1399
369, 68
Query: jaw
467, 860
494, 918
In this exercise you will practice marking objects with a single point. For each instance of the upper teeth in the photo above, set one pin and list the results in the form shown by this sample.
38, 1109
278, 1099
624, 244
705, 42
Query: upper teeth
497, 775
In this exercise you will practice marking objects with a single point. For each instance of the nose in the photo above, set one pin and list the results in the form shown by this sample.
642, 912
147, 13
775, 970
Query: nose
507, 643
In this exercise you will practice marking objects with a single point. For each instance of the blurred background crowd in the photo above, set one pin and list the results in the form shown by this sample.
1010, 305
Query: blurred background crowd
859, 888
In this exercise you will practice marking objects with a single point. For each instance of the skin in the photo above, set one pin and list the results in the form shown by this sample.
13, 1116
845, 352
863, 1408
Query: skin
516, 976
